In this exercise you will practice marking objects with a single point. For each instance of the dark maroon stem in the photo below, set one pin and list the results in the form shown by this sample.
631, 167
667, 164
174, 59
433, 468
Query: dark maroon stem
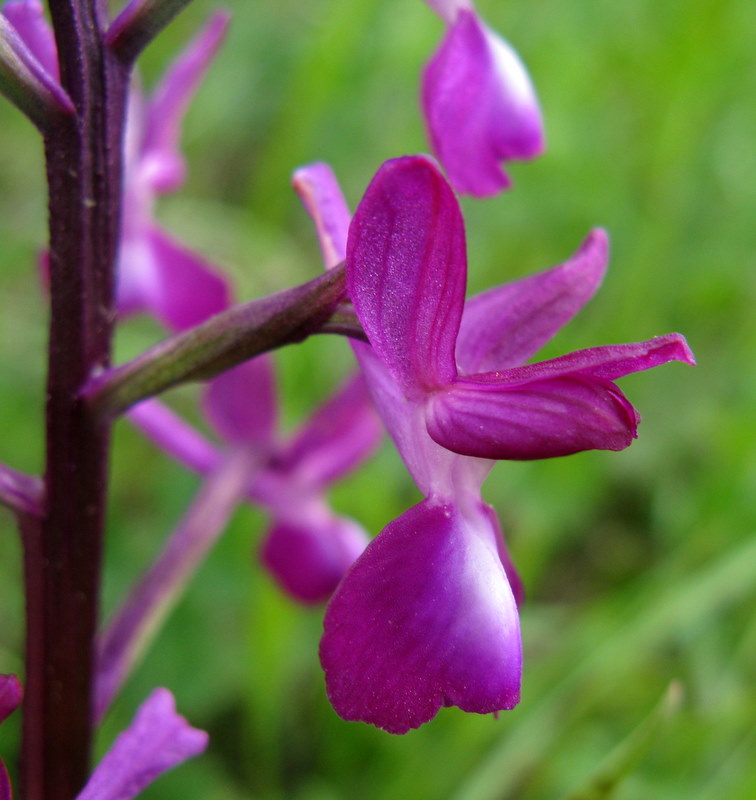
63, 551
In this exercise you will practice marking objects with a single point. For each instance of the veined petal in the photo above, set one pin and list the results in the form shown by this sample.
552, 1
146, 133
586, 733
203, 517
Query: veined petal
552, 408
241, 403
161, 157
406, 271
505, 326
321, 195
184, 289
157, 740
480, 107
540, 419
28, 18
309, 557
424, 619
336, 438
11, 694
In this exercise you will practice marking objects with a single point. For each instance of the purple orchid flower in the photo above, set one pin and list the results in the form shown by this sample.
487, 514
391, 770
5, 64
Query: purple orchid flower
157, 740
427, 616
155, 272
307, 548
479, 103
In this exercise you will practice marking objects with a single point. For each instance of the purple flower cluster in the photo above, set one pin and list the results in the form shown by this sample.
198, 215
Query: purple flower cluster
426, 614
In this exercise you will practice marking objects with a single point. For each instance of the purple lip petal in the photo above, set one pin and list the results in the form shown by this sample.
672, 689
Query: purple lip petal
424, 619
309, 558
543, 419
241, 403
406, 271
11, 694
321, 195
6, 792
157, 740
337, 437
507, 325
28, 18
515, 582
480, 107
168, 431
169, 103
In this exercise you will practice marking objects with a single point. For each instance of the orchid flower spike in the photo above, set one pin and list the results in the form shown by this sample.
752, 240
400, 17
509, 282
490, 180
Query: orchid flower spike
307, 547
479, 103
427, 616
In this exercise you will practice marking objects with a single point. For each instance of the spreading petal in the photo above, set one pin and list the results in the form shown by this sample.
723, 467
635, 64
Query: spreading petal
158, 274
506, 326
406, 271
552, 408
309, 557
241, 403
321, 195
157, 740
11, 694
480, 107
424, 619
544, 419
336, 438
173, 435
162, 162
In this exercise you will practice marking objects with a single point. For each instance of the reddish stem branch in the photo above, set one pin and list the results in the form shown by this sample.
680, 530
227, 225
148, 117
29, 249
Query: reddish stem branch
63, 553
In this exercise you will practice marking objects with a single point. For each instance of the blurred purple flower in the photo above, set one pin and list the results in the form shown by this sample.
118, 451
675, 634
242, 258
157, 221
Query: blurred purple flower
427, 616
11, 694
307, 547
157, 740
155, 272
480, 106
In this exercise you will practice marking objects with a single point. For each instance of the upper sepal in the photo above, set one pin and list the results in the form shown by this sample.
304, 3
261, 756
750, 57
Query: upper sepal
424, 619
406, 271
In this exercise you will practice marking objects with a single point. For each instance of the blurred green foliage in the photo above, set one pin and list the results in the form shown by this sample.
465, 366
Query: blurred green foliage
639, 566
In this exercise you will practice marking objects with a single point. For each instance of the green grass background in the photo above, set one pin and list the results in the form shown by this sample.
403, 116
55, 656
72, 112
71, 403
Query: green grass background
639, 566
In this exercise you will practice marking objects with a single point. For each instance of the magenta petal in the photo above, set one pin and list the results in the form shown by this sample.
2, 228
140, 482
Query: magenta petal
157, 740
505, 326
161, 157
309, 557
6, 792
337, 437
173, 435
541, 419
321, 195
11, 694
28, 18
187, 290
424, 619
241, 403
480, 107
406, 271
